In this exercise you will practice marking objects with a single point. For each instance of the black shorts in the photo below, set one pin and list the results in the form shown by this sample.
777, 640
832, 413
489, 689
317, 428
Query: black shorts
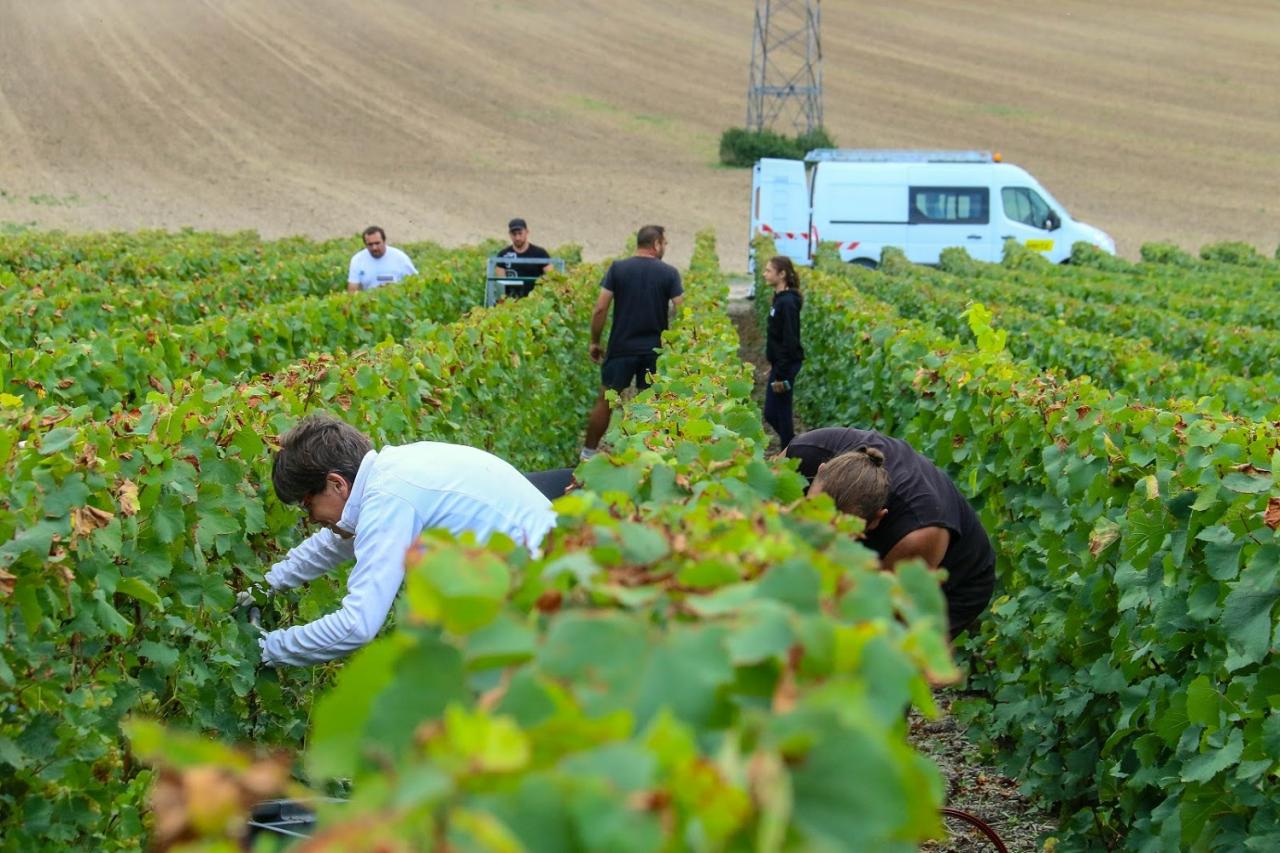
553, 483
967, 603
618, 371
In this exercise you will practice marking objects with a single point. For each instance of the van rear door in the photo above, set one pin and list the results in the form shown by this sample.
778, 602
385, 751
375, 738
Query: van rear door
780, 206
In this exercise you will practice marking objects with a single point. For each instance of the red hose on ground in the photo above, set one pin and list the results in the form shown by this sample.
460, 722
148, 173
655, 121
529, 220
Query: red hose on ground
980, 825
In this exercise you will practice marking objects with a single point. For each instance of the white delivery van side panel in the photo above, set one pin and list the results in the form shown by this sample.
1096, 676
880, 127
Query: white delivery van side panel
780, 207
949, 205
861, 207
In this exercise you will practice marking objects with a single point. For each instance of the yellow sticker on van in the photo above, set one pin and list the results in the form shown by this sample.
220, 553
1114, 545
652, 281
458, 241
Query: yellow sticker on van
1040, 245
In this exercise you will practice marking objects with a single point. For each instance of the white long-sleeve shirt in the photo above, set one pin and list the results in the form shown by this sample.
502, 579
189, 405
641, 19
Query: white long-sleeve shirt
399, 492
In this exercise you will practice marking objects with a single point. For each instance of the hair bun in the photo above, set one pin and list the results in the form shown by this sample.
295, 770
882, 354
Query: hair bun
874, 454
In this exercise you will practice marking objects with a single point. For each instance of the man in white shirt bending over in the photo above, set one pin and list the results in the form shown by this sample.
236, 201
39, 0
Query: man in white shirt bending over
377, 263
373, 505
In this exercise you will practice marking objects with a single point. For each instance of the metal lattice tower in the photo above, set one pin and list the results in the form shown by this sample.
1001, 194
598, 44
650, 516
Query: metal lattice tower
785, 92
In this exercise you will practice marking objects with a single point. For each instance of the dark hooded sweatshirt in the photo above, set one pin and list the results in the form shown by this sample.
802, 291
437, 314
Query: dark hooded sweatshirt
782, 343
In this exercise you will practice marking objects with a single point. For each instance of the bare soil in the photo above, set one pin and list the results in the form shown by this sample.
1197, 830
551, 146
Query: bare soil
976, 788
1152, 119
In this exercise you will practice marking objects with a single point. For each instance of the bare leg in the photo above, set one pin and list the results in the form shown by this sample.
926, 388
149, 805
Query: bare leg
597, 422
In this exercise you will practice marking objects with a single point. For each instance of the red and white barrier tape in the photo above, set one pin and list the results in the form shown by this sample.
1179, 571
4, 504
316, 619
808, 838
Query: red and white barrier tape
812, 236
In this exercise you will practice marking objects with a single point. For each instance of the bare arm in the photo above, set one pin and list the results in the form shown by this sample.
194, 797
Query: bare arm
927, 543
598, 316
353, 287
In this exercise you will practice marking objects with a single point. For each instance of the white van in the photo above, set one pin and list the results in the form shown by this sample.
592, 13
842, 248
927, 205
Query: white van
920, 201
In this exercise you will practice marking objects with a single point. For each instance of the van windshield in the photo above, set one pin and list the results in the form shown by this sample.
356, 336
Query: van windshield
1025, 205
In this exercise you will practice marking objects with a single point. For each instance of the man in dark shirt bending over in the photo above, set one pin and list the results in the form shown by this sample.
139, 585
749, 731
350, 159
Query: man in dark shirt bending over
911, 507
640, 288
511, 265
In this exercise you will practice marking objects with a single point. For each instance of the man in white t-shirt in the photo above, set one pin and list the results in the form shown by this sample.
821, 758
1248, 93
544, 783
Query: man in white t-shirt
377, 263
373, 505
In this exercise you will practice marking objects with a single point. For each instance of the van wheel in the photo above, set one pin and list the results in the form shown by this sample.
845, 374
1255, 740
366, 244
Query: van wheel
865, 263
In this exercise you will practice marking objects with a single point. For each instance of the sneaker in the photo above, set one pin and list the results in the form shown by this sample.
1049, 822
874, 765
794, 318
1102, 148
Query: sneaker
587, 453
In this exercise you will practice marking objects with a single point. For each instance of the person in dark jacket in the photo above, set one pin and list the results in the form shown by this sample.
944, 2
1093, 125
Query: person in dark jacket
782, 347
911, 507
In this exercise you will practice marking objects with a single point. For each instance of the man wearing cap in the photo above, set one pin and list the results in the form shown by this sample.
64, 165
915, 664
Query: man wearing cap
377, 263
520, 247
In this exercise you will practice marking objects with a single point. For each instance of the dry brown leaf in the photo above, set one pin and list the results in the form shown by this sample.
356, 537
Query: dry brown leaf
212, 799
7, 583
649, 801
373, 833
266, 778
168, 810
88, 457
1272, 516
86, 519
549, 601
127, 495
210, 802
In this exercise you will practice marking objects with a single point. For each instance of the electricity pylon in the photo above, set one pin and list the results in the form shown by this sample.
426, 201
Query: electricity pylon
785, 92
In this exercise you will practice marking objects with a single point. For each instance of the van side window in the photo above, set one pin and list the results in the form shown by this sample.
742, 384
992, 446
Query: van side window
950, 205
1026, 206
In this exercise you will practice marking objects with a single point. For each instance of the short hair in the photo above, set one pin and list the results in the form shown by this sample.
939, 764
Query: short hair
648, 235
317, 446
857, 481
374, 229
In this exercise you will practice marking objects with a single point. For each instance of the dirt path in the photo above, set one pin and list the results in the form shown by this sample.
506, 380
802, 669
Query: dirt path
1151, 119
972, 786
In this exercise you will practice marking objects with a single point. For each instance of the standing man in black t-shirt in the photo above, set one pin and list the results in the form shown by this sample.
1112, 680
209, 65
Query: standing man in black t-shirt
520, 247
911, 507
640, 288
